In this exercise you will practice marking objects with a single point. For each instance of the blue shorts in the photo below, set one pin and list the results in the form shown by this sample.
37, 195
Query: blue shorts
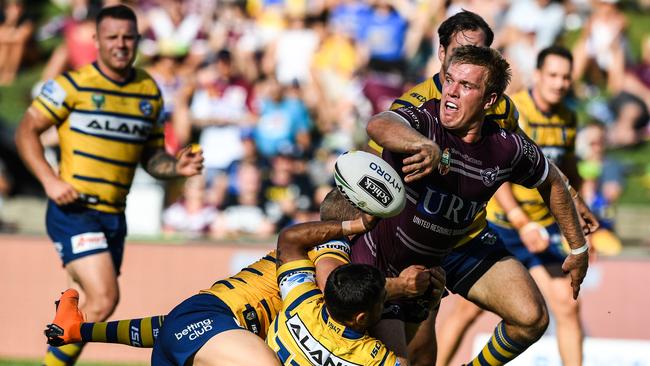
467, 263
78, 231
189, 326
554, 254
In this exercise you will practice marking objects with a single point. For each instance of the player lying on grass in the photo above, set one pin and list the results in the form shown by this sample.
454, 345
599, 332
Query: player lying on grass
220, 323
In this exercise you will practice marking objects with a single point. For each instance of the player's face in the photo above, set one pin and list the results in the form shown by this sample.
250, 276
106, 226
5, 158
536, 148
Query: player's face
116, 41
463, 96
553, 79
462, 38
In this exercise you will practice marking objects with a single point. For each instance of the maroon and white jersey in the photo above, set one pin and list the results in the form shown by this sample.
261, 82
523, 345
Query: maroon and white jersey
447, 208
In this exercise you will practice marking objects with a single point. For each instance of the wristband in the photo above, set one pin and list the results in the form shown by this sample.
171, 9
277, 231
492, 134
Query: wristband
535, 226
580, 250
346, 226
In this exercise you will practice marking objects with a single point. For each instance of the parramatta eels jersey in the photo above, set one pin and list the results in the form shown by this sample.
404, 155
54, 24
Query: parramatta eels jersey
555, 134
503, 112
103, 127
447, 208
304, 333
253, 295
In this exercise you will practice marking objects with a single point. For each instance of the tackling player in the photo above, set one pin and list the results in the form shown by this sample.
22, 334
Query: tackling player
453, 163
107, 116
522, 220
226, 324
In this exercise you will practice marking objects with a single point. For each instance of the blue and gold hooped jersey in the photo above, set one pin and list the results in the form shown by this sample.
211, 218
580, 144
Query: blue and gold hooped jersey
503, 112
304, 333
103, 127
555, 133
252, 295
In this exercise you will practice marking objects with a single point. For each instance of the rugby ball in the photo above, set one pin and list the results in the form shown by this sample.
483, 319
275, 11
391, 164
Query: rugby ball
370, 183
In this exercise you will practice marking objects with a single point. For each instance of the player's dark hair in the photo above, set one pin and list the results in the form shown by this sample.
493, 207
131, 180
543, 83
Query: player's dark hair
116, 12
461, 22
498, 75
553, 50
336, 207
352, 289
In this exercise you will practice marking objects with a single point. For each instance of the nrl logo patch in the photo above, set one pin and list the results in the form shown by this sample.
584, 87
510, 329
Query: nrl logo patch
445, 162
98, 100
489, 176
376, 189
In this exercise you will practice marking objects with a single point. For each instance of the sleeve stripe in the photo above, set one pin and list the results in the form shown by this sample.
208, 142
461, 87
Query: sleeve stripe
401, 117
403, 102
346, 259
270, 259
301, 298
383, 360
225, 283
267, 309
543, 178
67, 106
253, 270
54, 115
239, 279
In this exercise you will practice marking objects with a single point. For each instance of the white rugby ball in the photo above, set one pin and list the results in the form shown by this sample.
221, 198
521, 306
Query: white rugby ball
370, 183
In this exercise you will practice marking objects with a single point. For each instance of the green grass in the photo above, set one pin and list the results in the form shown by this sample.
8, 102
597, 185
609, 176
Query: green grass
15, 99
637, 187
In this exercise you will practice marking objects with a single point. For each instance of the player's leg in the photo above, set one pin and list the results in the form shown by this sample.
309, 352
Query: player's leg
235, 347
69, 327
484, 272
91, 260
556, 288
422, 344
392, 333
451, 332
192, 325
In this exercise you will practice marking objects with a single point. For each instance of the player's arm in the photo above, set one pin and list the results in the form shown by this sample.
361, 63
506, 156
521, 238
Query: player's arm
572, 179
556, 194
31, 150
394, 132
294, 242
161, 165
533, 235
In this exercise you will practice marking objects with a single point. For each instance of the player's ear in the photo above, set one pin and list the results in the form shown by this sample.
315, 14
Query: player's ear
537, 75
361, 318
441, 54
490, 100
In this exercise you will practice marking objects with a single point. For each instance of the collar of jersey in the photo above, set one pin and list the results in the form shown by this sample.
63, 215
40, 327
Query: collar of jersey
347, 332
118, 83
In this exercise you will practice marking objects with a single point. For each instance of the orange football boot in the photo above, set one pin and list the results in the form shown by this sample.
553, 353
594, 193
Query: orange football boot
66, 327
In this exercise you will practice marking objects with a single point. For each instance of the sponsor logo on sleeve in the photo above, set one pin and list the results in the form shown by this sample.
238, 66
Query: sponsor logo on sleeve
295, 279
88, 241
53, 93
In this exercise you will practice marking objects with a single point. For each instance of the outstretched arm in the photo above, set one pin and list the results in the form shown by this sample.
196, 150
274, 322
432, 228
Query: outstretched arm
164, 166
556, 195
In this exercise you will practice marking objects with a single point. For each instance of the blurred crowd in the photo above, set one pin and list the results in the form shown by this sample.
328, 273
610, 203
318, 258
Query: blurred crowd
275, 90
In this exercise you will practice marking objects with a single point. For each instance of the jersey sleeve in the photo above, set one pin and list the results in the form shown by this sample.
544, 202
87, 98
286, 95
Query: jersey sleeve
156, 139
55, 99
415, 96
336, 249
297, 281
418, 118
505, 114
530, 166
387, 359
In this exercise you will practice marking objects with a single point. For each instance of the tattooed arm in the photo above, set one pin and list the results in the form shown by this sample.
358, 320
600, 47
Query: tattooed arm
164, 166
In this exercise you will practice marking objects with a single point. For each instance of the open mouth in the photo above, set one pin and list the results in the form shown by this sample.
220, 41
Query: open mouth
451, 106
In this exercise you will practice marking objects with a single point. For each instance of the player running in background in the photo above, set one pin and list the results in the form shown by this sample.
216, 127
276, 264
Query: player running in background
453, 163
521, 218
225, 324
107, 119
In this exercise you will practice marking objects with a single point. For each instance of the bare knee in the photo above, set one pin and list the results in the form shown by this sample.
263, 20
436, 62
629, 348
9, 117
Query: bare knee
533, 321
100, 305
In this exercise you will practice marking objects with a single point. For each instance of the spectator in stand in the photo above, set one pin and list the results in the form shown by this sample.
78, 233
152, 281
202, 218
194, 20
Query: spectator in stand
173, 28
284, 120
16, 31
636, 79
602, 186
243, 210
630, 120
190, 216
218, 103
287, 189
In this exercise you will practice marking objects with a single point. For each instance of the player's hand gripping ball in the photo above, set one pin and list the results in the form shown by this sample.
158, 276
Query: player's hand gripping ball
370, 183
